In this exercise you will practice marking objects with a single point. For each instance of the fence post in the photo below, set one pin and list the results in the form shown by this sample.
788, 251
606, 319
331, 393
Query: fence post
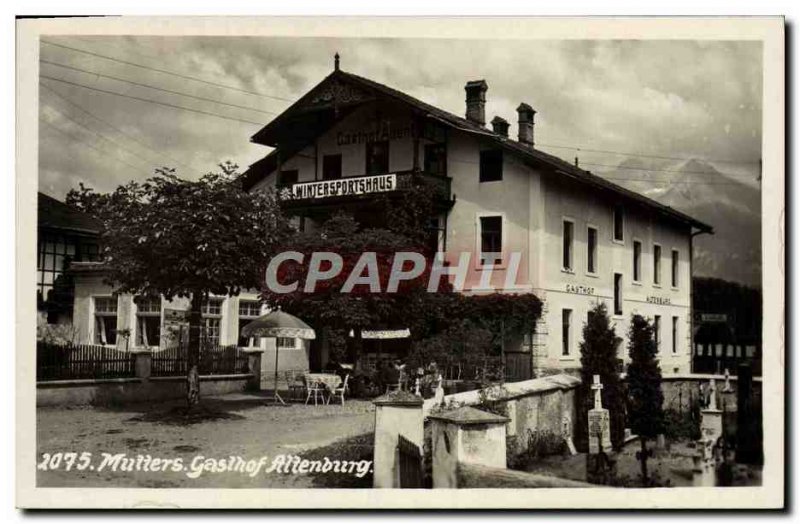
469, 436
142, 363
254, 368
396, 413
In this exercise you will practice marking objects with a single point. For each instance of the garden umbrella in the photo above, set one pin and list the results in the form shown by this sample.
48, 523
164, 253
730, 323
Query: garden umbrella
278, 324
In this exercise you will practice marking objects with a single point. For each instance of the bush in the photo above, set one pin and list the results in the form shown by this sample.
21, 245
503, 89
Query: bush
524, 450
681, 425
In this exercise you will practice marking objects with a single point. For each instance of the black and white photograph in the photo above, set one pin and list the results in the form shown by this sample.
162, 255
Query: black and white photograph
326, 263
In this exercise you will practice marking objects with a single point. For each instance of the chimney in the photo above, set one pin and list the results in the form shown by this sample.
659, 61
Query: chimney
500, 126
526, 114
476, 101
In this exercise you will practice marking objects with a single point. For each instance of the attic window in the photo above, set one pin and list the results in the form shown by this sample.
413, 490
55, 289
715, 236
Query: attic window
491, 165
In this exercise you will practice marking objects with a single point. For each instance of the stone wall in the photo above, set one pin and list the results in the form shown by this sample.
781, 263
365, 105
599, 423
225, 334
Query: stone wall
540, 404
131, 390
681, 390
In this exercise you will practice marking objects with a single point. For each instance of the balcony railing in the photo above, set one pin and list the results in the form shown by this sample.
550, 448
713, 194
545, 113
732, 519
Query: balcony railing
360, 187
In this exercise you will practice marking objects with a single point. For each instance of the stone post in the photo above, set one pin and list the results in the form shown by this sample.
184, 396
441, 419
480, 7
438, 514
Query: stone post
468, 436
254, 368
711, 417
396, 413
599, 463
142, 363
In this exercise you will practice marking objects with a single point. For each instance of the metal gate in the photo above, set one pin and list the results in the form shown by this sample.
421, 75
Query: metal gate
410, 463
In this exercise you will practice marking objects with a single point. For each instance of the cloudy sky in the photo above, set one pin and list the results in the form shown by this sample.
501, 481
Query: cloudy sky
679, 99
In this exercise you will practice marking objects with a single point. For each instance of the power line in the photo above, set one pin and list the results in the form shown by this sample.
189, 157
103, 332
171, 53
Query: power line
120, 146
112, 126
148, 86
627, 179
647, 169
167, 72
165, 104
71, 137
608, 151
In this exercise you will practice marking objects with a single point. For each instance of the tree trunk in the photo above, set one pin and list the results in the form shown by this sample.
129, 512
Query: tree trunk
193, 352
643, 459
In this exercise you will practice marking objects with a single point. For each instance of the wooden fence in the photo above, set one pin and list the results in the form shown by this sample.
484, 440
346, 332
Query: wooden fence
214, 360
74, 362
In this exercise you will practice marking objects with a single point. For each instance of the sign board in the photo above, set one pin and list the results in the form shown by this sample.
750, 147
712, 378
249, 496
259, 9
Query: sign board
663, 301
713, 317
176, 315
361, 185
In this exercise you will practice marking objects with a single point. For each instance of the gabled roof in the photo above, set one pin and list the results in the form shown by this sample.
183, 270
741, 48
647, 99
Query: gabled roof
54, 214
529, 154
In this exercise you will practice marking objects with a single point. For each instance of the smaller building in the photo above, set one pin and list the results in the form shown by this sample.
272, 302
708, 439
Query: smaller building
65, 235
129, 322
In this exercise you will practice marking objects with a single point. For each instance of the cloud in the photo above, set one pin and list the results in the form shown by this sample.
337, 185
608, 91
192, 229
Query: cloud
678, 98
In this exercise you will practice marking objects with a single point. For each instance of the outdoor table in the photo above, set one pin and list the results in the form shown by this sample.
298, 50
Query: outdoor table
330, 380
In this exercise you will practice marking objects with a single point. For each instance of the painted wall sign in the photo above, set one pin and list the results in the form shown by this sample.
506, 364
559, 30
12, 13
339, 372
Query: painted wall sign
663, 301
345, 186
580, 290
384, 131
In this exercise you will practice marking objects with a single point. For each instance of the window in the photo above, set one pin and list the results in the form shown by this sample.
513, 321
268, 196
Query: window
591, 255
436, 159
617, 293
378, 157
491, 235
657, 331
288, 177
674, 273
212, 316
286, 343
656, 264
567, 245
148, 321
674, 335
619, 224
54, 252
637, 261
105, 321
566, 320
491, 166
331, 167
248, 310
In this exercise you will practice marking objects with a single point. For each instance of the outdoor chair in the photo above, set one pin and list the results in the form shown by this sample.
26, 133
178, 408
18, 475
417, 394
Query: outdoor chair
341, 390
313, 388
295, 384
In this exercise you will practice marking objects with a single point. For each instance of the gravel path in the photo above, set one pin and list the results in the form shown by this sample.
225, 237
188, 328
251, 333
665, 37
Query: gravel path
245, 427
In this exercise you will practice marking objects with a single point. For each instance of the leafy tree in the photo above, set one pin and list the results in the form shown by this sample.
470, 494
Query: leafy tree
426, 314
180, 238
645, 398
599, 357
